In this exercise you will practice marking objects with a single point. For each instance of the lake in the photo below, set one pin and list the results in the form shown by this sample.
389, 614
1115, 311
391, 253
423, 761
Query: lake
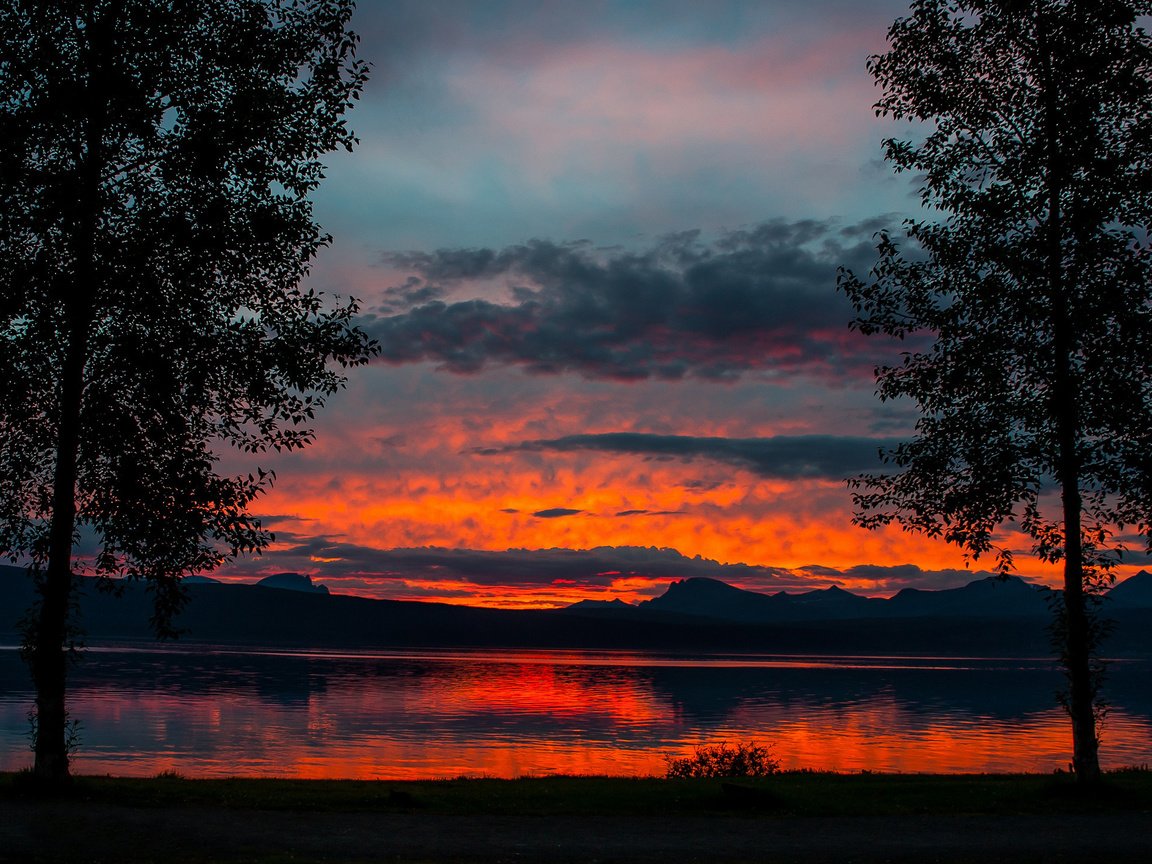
215, 711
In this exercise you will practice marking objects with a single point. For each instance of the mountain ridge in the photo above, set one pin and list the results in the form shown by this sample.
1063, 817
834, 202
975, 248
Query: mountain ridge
251, 615
987, 597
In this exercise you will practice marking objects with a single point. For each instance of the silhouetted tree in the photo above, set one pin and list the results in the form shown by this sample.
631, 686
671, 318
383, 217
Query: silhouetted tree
1026, 295
156, 158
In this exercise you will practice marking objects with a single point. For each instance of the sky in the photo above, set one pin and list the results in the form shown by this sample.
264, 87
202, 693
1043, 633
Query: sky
598, 242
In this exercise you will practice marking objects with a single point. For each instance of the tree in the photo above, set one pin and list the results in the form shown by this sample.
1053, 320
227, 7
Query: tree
156, 158
1025, 296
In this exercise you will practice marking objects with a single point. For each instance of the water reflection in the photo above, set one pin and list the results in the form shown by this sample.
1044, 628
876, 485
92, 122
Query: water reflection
441, 714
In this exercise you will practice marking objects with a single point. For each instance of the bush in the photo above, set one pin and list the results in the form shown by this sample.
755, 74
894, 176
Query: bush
725, 760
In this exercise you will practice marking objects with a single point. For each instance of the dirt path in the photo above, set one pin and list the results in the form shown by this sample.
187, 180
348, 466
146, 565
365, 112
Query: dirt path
72, 832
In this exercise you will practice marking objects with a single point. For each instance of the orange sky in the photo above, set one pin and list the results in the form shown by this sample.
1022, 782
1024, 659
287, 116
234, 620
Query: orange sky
589, 221
412, 476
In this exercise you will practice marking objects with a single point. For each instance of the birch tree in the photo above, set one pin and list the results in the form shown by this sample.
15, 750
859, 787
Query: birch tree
1024, 296
156, 162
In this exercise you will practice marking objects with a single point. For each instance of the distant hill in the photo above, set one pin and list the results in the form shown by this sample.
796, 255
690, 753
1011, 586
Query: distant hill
983, 598
988, 597
616, 605
694, 615
292, 582
1135, 592
714, 599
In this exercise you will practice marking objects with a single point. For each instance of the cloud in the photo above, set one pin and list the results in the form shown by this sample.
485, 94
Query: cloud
329, 559
556, 513
484, 121
414, 292
783, 457
762, 299
894, 577
560, 576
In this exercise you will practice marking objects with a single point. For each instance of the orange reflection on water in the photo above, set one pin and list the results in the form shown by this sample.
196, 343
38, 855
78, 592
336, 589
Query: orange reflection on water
428, 715
547, 690
885, 738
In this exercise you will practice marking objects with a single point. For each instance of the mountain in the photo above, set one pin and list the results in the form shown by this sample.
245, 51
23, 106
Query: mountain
1135, 592
982, 598
689, 617
292, 582
714, 599
990, 597
616, 605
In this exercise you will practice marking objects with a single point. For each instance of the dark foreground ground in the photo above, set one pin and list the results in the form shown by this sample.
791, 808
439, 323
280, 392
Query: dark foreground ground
806, 819
108, 834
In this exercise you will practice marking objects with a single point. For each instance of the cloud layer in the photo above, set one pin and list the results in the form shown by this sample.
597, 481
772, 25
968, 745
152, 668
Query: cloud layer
486, 123
761, 299
697, 392
563, 575
598, 566
783, 457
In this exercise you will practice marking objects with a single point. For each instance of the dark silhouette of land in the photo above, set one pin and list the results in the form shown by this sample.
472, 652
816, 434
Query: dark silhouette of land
100, 833
985, 618
993, 820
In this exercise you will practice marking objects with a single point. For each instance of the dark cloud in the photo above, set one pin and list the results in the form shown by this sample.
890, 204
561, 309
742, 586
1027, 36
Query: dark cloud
1136, 557
820, 571
556, 513
351, 568
333, 561
401, 298
269, 520
782, 457
871, 227
895, 577
1136, 548
759, 299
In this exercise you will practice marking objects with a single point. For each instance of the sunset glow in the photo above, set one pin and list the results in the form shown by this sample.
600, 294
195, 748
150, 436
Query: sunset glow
598, 250
627, 430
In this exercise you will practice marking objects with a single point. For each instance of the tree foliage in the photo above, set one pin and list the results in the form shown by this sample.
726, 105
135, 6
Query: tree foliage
156, 158
1024, 296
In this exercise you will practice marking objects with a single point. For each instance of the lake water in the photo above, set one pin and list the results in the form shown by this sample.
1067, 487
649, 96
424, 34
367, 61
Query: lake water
208, 712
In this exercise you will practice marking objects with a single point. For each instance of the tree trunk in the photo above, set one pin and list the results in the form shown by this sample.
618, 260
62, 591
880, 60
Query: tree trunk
1077, 652
1075, 633
50, 638
49, 645
48, 651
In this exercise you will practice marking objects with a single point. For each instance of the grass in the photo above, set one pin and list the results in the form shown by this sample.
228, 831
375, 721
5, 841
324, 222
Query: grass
172, 820
784, 794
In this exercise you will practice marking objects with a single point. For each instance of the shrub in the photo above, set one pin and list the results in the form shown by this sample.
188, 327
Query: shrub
725, 760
